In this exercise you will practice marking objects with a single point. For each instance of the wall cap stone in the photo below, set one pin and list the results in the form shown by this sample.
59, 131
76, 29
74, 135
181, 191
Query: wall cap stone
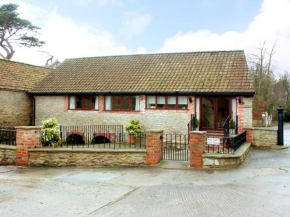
264, 128
8, 147
28, 127
198, 132
154, 131
244, 147
87, 150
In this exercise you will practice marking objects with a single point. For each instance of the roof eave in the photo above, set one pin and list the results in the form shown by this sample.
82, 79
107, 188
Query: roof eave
208, 93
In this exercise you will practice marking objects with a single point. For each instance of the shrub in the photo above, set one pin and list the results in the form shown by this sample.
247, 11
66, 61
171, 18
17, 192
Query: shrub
287, 117
197, 123
232, 124
134, 127
50, 132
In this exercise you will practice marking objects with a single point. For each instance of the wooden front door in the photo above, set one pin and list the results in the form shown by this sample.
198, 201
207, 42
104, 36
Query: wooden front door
214, 112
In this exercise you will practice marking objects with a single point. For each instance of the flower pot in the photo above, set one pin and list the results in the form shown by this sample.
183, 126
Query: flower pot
232, 131
131, 139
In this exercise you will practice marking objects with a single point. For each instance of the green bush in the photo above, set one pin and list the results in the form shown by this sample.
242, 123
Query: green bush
134, 127
50, 132
287, 117
197, 123
232, 124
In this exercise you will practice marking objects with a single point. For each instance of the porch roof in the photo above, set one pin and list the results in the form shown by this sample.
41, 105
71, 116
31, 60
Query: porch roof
199, 72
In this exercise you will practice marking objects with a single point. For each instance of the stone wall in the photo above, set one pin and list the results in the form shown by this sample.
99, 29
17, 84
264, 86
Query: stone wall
56, 106
225, 161
263, 137
7, 155
244, 112
85, 157
15, 108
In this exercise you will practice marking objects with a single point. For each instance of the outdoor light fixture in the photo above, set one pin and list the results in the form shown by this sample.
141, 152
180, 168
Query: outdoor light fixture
240, 100
190, 99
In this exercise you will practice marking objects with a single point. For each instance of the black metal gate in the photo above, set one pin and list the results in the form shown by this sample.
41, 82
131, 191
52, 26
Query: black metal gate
175, 147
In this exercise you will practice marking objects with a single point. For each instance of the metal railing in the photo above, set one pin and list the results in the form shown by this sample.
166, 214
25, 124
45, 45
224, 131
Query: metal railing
238, 140
92, 139
8, 136
93, 128
175, 147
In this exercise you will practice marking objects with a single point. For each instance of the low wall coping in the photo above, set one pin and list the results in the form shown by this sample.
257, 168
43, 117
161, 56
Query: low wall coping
28, 127
243, 149
154, 131
11, 147
87, 150
264, 128
198, 132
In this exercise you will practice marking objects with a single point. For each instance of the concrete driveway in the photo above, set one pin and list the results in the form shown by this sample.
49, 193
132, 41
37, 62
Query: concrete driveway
260, 187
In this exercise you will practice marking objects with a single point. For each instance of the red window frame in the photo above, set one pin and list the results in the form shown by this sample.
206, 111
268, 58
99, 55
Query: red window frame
166, 103
121, 103
83, 103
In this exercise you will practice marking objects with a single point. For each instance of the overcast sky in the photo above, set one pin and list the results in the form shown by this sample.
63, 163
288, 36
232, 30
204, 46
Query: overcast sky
81, 28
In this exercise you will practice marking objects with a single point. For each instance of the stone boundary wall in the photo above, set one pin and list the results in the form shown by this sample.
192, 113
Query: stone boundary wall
226, 161
7, 155
85, 157
263, 137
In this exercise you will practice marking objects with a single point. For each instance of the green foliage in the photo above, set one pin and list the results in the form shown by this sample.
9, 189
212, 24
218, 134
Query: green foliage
287, 117
50, 132
232, 124
197, 123
14, 30
134, 127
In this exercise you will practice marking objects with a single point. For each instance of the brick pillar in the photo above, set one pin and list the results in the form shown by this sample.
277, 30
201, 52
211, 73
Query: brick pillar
154, 146
197, 146
26, 137
249, 134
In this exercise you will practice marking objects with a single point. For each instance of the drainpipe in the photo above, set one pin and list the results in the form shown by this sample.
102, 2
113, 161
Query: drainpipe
280, 126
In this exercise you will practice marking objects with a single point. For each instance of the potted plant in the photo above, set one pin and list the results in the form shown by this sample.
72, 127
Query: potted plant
50, 133
232, 126
134, 129
197, 125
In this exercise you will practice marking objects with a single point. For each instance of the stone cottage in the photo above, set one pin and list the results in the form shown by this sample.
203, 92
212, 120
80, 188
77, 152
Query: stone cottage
16, 79
162, 91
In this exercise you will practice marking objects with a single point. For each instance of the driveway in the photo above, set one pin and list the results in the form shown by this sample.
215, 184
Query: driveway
260, 187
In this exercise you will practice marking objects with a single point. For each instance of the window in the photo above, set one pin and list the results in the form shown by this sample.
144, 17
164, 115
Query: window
84, 102
167, 102
122, 103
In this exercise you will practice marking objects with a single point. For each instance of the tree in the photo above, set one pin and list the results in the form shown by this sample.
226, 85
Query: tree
14, 30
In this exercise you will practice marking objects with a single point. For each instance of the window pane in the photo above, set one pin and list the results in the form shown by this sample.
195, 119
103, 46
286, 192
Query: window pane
160, 101
197, 107
72, 102
95, 102
87, 102
125, 105
171, 102
150, 101
108, 103
182, 102
117, 103
135, 103
79, 102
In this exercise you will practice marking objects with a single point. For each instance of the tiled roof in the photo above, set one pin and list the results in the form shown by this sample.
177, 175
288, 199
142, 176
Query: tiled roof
20, 76
218, 71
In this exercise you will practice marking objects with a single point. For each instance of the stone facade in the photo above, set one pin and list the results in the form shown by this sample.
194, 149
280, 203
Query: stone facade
83, 157
15, 108
56, 106
7, 155
245, 112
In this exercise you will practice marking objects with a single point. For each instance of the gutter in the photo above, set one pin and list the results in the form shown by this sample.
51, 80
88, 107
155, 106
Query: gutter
209, 93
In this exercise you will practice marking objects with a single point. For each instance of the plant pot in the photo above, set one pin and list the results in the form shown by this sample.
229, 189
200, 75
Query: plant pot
131, 139
232, 131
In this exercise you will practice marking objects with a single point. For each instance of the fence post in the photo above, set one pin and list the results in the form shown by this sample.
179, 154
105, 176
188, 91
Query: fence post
280, 126
154, 146
197, 146
26, 137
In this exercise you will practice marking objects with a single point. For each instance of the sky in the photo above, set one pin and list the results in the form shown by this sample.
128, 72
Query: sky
84, 28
